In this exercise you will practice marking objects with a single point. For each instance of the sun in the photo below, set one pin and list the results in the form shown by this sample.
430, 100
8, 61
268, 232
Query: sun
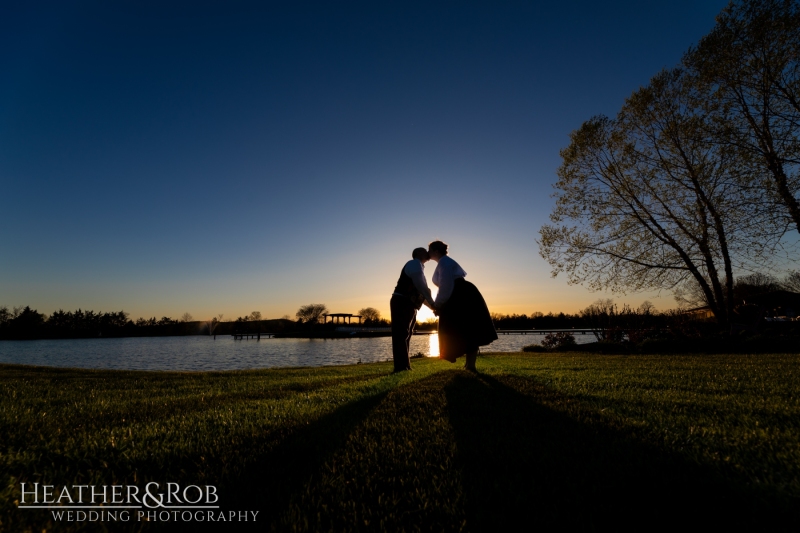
425, 314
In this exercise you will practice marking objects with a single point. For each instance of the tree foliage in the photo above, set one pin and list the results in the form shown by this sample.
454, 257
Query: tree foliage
369, 314
748, 71
609, 323
311, 313
678, 191
792, 282
27, 323
213, 323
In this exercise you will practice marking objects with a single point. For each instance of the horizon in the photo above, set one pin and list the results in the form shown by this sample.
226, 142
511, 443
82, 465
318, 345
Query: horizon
421, 317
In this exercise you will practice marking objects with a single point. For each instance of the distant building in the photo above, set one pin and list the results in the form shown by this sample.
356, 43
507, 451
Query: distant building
343, 317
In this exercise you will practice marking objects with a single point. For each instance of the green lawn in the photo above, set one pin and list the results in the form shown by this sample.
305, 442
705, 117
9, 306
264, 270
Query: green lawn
550, 441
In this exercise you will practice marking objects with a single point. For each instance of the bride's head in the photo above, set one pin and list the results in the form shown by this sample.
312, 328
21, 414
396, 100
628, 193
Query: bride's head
437, 249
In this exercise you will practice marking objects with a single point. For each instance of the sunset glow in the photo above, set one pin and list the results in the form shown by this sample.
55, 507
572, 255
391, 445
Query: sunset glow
305, 143
425, 314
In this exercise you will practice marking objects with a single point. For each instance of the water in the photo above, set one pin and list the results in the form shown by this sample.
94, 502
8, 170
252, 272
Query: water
205, 353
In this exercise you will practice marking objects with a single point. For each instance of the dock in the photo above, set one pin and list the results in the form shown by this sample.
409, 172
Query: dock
380, 332
256, 336
544, 331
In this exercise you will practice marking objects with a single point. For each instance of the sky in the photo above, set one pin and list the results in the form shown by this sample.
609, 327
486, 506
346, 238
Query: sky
162, 157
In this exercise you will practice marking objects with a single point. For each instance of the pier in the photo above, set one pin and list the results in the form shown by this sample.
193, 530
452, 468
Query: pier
256, 336
544, 331
380, 332
336, 317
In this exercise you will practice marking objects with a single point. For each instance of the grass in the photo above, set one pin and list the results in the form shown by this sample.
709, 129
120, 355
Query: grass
550, 441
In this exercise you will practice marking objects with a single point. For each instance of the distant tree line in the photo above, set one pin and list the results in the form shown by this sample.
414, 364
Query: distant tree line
538, 321
27, 323
696, 180
756, 296
24, 323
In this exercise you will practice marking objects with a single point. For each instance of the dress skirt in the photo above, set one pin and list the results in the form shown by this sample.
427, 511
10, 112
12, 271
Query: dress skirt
464, 322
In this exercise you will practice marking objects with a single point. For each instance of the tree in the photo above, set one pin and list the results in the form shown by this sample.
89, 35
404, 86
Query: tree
647, 202
27, 323
748, 68
609, 323
370, 314
213, 323
647, 308
186, 317
255, 315
311, 313
689, 295
754, 285
147, 322
791, 282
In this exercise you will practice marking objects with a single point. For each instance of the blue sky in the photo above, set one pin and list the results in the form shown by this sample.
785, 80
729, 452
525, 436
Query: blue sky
224, 158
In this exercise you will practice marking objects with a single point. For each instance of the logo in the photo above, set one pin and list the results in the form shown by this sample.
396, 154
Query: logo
125, 503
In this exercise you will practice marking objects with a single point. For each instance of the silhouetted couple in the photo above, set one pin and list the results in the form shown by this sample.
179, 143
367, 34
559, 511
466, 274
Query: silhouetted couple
464, 321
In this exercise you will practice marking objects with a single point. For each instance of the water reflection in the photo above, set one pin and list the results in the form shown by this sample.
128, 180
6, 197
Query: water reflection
433, 345
204, 353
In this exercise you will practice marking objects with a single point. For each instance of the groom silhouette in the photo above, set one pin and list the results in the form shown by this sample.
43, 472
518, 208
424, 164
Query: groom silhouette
409, 295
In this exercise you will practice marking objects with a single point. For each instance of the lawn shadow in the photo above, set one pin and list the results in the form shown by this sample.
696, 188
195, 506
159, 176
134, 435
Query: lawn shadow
273, 478
528, 465
395, 472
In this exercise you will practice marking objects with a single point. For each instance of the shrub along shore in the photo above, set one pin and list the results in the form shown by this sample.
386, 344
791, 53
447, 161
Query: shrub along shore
757, 344
554, 440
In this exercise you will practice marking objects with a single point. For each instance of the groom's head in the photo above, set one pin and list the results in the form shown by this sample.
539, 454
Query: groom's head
420, 254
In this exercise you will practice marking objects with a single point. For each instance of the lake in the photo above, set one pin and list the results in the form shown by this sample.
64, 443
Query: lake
224, 353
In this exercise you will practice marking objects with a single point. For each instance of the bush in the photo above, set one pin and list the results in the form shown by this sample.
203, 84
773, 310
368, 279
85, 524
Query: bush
556, 341
563, 340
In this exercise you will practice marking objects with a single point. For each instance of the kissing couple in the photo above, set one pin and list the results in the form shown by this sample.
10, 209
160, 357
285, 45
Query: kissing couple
464, 321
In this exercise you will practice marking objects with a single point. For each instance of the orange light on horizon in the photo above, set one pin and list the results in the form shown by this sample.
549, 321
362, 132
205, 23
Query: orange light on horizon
424, 314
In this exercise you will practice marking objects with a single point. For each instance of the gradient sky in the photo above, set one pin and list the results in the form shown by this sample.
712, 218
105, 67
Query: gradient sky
230, 157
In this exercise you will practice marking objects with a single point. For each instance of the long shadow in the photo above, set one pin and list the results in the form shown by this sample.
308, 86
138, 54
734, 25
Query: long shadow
529, 466
396, 472
272, 479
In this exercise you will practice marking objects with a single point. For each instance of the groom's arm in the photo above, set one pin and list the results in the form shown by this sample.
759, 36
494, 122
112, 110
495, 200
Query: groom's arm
421, 284
428, 298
